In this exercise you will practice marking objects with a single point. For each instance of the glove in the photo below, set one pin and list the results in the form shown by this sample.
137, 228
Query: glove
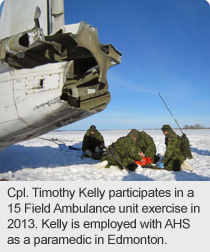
161, 165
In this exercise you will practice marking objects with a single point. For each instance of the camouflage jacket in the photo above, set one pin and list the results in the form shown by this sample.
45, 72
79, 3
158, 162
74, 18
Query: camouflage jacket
173, 150
127, 148
146, 145
90, 141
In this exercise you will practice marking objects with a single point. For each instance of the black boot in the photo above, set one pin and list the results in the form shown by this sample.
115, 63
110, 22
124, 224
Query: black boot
132, 167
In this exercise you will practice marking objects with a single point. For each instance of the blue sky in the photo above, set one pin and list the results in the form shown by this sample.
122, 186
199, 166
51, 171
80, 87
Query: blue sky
166, 49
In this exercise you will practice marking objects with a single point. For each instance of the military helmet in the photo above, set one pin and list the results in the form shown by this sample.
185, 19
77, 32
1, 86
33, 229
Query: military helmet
134, 133
93, 128
166, 128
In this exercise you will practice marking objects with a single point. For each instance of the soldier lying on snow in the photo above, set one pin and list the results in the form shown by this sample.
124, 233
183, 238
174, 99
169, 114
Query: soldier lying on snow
131, 150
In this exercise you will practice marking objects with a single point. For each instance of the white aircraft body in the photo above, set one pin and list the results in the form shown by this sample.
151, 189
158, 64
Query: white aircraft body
51, 74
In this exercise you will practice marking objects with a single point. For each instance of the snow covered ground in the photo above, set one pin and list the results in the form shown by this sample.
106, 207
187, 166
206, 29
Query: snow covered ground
41, 160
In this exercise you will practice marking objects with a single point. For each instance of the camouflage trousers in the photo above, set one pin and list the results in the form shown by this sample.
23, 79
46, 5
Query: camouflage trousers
151, 153
112, 161
173, 165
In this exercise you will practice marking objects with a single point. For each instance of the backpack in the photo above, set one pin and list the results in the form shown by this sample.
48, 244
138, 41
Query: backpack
185, 146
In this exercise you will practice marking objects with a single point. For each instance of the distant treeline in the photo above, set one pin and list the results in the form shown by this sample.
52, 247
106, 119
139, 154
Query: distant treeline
196, 126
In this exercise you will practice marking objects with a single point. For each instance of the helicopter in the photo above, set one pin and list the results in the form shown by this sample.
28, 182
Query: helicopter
51, 74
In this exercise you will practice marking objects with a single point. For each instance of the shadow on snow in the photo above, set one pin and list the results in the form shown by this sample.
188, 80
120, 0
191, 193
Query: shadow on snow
17, 157
132, 176
189, 176
201, 152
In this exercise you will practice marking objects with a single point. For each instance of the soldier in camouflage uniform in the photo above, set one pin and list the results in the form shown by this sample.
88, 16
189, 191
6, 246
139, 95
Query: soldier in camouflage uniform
173, 157
126, 151
93, 143
147, 146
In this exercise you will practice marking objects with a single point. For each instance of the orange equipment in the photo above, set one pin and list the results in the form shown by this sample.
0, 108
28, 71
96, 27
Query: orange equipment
144, 161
